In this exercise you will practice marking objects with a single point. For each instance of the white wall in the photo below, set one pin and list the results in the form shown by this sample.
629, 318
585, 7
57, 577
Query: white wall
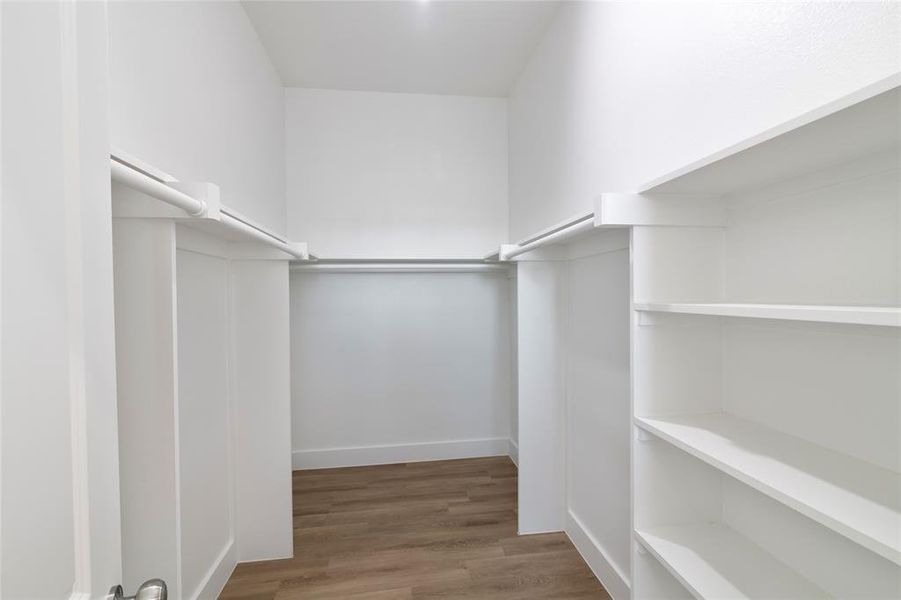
147, 384
394, 367
206, 513
620, 92
380, 175
57, 387
598, 405
541, 388
193, 93
261, 387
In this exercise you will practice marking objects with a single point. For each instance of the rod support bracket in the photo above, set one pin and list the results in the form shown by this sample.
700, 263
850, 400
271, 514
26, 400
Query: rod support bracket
504, 250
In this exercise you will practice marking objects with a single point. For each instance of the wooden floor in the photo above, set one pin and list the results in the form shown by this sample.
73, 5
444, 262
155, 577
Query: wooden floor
415, 531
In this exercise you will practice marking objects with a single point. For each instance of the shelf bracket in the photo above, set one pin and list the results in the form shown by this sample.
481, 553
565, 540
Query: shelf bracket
673, 210
643, 436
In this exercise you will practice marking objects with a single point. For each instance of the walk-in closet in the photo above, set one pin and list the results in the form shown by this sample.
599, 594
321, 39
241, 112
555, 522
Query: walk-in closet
418, 299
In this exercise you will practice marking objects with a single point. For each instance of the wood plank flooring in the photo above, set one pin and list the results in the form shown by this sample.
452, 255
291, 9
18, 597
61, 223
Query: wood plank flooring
415, 531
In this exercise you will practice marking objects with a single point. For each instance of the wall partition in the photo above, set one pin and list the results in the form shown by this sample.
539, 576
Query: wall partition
203, 391
573, 382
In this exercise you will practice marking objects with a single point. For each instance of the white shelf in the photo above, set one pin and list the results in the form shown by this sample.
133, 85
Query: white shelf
862, 123
886, 316
714, 562
854, 498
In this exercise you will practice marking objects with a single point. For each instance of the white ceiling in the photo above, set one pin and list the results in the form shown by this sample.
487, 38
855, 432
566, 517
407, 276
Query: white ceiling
417, 46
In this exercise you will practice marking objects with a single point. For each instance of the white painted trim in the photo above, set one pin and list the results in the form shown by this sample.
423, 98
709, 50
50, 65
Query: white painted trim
329, 458
221, 569
603, 241
75, 317
521, 533
256, 251
1, 297
687, 210
611, 576
199, 242
266, 558
552, 253
513, 451
880, 316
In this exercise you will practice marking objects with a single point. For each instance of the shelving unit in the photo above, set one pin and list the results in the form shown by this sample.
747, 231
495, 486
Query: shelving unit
855, 498
885, 316
766, 344
712, 560
859, 124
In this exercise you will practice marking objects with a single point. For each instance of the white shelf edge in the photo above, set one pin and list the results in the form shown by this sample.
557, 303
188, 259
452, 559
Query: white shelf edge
719, 544
810, 504
680, 210
846, 101
883, 316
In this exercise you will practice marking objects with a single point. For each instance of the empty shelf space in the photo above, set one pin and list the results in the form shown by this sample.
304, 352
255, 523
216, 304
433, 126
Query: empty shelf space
855, 498
886, 316
866, 121
712, 561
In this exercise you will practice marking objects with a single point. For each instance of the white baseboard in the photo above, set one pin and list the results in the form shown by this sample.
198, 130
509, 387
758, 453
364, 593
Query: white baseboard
513, 451
265, 559
400, 453
218, 575
611, 576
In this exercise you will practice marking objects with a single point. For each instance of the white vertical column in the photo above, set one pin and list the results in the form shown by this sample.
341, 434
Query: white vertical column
205, 462
540, 331
59, 473
147, 377
261, 389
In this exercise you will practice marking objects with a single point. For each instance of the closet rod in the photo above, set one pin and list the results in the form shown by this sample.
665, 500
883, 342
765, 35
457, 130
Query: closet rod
135, 178
237, 224
129, 176
581, 225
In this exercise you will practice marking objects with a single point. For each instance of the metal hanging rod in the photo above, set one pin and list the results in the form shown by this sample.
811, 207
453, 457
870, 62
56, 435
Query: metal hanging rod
580, 225
370, 266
